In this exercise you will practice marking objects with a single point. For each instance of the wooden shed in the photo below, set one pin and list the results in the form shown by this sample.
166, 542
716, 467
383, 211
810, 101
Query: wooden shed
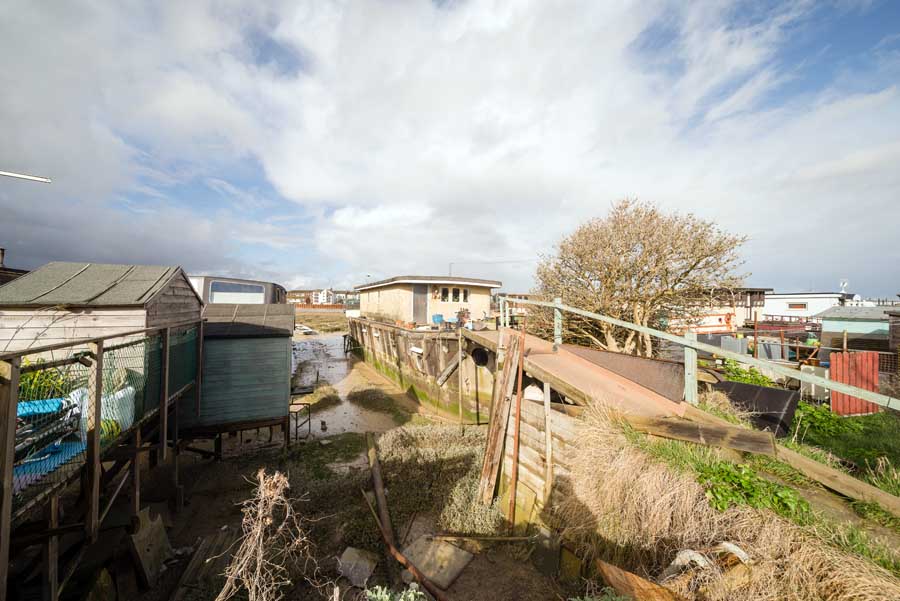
246, 369
60, 302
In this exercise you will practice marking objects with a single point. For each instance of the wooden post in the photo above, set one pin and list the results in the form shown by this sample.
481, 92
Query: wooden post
755, 334
163, 451
844, 342
94, 433
690, 371
548, 441
514, 472
198, 377
50, 570
459, 370
781, 337
136, 475
9, 399
557, 324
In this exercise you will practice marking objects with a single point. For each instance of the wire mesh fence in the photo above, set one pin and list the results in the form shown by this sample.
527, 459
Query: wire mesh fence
56, 403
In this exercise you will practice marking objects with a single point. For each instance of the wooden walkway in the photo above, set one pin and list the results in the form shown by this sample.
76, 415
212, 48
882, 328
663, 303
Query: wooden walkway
582, 381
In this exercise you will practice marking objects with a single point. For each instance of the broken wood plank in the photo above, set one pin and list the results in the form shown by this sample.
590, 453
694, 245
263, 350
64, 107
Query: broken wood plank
714, 435
632, 585
448, 371
514, 473
548, 441
493, 455
384, 515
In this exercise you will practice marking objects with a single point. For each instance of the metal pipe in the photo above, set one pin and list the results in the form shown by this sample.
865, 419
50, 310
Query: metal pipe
867, 395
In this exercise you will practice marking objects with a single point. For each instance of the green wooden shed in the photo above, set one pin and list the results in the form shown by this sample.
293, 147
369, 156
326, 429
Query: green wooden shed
246, 369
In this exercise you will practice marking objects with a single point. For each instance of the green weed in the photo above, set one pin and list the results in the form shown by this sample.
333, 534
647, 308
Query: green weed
735, 373
728, 484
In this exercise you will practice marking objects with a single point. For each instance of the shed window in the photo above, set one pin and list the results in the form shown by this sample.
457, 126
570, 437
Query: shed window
234, 292
445, 295
797, 306
456, 295
465, 295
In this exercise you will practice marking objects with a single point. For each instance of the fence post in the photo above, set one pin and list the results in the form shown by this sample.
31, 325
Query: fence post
94, 433
163, 450
502, 312
557, 323
690, 371
9, 399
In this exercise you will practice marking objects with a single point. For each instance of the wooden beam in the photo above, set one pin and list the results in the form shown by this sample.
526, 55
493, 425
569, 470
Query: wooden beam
164, 394
548, 441
9, 398
94, 433
136, 475
493, 455
384, 516
714, 435
448, 371
514, 472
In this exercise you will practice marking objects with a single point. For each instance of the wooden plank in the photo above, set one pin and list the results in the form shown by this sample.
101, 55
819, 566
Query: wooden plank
50, 559
497, 428
164, 395
548, 441
726, 437
92, 520
514, 473
448, 371
9, 396
384, 516
632, 585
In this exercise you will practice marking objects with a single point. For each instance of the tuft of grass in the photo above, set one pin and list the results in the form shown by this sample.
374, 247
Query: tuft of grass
314, 457
885, 476
375, 399
876, 513
323, 397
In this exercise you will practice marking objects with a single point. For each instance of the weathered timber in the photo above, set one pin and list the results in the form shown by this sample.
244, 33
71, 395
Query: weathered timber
632, 585
727, 437
500, 407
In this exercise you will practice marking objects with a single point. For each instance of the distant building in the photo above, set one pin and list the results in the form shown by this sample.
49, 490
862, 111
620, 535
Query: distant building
867, 328
215, 289
8, 274
802, 304
349, 298
894, 326
727, 310
418, 299
324, 297
301, 297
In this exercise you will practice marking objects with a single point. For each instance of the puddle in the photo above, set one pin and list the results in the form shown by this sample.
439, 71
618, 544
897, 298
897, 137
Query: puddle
323, 356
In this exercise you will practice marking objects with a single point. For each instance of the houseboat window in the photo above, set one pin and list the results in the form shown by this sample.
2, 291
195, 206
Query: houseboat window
445, 295
799, 306
234, 292
456, 295
465, 295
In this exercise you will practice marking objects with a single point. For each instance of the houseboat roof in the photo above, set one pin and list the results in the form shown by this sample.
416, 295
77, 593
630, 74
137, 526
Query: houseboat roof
248, 321
856, 313
430, 279
87, 285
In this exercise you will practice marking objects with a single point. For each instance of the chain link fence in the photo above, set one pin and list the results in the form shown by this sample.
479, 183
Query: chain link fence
56, 403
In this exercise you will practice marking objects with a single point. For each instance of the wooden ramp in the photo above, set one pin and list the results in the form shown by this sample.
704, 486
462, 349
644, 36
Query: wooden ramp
582, 381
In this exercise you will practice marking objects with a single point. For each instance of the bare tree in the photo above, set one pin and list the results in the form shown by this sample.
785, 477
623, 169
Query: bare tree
637, 264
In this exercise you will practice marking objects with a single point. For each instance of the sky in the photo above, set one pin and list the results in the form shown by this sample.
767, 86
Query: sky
324, 143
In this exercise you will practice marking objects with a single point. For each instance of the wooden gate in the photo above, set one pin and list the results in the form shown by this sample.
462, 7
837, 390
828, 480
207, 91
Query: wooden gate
857, 369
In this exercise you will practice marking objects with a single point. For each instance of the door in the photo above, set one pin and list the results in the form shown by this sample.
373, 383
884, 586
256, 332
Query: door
420, 303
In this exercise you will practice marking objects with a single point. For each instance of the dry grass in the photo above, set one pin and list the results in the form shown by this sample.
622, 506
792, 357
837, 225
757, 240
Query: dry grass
324, 322
435, 469
627, 507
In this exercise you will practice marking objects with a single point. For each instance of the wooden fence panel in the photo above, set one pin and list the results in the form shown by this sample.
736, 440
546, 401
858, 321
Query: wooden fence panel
858, 369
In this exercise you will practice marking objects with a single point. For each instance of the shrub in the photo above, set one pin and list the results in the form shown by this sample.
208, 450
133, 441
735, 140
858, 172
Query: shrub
735, 373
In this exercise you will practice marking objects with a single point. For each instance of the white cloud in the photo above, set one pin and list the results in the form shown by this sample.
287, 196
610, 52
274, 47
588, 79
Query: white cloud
414, 134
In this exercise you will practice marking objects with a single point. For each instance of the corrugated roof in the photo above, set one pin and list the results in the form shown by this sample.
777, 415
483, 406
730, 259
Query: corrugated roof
87, 285
863, 313
429, 279
248, 321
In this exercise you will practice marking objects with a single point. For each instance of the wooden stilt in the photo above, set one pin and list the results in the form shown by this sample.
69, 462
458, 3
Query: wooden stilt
9, 398
514, 472
164, 396
136, 475
93, 468
50, 572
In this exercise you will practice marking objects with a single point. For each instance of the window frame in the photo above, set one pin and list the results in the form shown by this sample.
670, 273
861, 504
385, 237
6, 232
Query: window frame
456, 295
445, 295
797, 306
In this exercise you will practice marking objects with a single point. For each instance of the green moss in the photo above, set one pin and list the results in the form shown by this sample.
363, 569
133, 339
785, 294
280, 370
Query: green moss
313, 458
374, 399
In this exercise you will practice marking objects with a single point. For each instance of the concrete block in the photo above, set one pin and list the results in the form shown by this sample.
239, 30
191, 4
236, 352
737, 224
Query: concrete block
357, 565
440, 561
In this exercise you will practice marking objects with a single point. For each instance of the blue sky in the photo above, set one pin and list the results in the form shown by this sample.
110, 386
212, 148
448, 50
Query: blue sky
316, 143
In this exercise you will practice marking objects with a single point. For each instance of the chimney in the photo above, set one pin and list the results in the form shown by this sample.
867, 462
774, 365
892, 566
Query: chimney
2, 254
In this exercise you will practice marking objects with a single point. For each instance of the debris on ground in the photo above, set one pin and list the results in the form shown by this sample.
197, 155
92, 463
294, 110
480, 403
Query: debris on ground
357, 566
440, 561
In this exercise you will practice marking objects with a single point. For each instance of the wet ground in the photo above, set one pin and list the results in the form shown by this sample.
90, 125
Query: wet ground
321, 362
